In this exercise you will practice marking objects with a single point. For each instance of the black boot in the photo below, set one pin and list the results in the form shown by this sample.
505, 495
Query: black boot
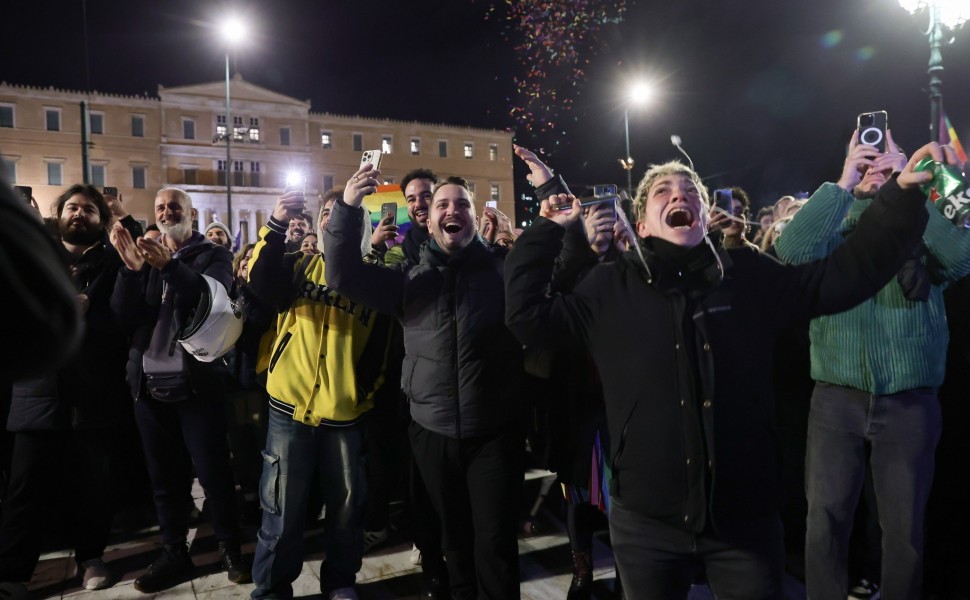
172, 567
238, 568
582, 584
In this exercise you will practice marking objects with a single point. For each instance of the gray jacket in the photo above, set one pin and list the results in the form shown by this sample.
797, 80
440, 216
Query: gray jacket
462, 367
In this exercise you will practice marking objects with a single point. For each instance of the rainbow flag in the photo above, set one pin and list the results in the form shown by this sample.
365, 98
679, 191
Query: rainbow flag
948, 135
390, 192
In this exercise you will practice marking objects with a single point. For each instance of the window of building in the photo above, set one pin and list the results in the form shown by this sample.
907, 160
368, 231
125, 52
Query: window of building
52, 117
387, 143
8, 169
493, 152
137, 126
254, 130
254, 178
96, 122
415, 146
188, 129
443, 148
221, 129
388, 180
358, 142
221, 172
98, 175
326, 140
471, 187
469, 150
238, 131
327, 183
139, 177
6, 115
493, 192
238, 176
55, 173
284, 136
190, 175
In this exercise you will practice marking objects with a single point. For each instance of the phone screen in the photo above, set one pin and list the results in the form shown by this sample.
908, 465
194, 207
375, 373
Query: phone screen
389, 213
491, 204
25, 192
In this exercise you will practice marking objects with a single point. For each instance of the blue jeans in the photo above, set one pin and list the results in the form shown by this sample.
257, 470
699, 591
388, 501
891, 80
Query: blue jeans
297, 457
902, 430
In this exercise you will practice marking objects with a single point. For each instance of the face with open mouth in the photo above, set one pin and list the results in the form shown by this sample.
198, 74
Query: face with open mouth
418, 196
674, 211
451, 218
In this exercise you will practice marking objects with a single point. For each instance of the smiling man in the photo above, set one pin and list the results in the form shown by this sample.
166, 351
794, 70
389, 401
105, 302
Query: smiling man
686, 379
417, 186
462, 371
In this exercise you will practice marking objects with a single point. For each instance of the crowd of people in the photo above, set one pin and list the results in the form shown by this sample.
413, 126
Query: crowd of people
736, 405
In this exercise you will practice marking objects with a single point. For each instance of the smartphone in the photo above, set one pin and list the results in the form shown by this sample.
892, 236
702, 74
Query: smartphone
295, 183
872, 129
586, 201
722, 200
373, 157
604, 189
109, 191
491, 204
26, 192
389, 213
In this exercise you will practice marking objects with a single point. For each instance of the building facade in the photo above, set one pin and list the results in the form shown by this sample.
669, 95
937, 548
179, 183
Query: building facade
140, 144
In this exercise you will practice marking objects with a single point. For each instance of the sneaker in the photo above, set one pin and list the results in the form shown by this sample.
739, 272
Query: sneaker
344, 593
864, 589
374, 538
238, 568
172, 567
96, 576
11, 590
415, 555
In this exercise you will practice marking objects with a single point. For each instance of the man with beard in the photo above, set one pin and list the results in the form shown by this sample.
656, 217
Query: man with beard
73, 418
683, 333
876, 368
179, 400
416, 185
298, 227
462, 373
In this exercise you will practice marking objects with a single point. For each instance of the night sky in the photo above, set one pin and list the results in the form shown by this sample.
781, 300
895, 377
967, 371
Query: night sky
763, 93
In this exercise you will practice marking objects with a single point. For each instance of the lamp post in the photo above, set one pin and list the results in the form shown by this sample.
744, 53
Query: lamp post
945, 15
232, 31
638, 95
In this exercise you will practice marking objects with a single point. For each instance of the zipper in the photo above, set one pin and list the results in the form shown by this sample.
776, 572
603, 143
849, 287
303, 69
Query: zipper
279, 350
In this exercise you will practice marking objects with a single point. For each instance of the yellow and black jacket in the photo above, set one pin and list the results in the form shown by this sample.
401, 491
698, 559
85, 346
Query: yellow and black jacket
328, 355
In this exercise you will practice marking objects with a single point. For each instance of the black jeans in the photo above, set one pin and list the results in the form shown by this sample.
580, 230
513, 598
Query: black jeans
475, 485
657, 561
167, 431
37, 489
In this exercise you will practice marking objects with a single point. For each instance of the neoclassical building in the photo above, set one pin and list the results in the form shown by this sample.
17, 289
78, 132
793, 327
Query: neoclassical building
140, 144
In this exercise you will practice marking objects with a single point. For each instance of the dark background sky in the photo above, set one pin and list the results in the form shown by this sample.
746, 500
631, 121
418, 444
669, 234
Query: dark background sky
757, 97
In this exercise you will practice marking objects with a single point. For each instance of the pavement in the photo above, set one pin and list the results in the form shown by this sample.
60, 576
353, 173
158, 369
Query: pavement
387, 573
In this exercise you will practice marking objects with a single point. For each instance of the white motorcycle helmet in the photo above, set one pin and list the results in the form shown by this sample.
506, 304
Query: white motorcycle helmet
217, 324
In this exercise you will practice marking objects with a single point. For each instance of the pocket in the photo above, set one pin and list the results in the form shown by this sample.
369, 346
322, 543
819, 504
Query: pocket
269, 484
279, 350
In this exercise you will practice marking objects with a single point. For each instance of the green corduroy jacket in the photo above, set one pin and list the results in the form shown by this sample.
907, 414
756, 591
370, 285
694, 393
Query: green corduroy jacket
887, 344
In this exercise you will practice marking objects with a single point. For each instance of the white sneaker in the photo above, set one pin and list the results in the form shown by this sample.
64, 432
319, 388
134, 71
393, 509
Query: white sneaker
373, 538
97, 576
344, 593
415, 555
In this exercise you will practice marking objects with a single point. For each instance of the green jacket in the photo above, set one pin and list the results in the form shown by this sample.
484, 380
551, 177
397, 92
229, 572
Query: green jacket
887, 344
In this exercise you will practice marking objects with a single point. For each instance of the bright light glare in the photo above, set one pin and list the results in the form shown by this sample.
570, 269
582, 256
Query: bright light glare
953, 13
294, 178
641, 93
233, 30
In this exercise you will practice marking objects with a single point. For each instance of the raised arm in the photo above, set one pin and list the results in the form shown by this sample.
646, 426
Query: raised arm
271, 268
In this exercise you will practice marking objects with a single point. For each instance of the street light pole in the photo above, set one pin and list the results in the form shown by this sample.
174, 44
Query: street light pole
229, 134
629, 160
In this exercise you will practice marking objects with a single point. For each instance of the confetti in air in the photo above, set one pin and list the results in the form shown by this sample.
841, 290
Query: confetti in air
552, 43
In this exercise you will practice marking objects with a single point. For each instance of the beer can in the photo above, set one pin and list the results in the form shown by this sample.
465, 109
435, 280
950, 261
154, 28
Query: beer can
947, 190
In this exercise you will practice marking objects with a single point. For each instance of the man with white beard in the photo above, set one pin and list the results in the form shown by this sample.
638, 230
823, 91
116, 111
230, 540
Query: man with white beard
180, 400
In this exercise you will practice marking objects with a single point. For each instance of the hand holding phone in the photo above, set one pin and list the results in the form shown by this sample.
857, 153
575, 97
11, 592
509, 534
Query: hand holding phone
372, 157
389, 213
387, 227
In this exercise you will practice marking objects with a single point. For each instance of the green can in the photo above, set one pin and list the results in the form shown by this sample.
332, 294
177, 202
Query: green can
947, 190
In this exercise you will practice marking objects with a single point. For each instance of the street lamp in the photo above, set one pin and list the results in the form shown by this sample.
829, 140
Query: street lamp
945, 15
639, 94
232, 32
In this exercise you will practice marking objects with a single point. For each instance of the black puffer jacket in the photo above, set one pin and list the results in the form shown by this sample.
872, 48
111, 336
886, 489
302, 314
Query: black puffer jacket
138, 295
89, 391
685, 356
462, 367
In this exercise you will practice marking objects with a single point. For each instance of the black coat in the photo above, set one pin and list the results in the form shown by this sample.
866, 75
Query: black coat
89, 391
686, 356
137, 298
